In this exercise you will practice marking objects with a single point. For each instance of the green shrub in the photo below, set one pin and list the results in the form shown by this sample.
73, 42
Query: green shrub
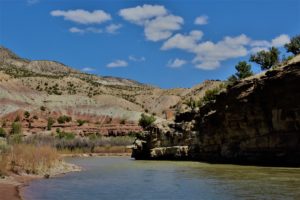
146, 120
66, 135
43, 108
50, 122
26, 114
210, 95
2, 132
16, 128
80, 122
63, 119
123, 121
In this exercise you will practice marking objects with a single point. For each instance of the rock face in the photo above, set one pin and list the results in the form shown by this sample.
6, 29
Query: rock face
256, 121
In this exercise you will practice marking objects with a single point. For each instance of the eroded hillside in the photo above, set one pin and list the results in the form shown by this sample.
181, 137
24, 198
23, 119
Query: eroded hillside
27, 85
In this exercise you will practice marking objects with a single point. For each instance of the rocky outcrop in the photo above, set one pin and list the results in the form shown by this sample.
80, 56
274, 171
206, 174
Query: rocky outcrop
256, 121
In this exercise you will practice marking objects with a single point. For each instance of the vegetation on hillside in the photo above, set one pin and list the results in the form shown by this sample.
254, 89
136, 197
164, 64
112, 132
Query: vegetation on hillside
146, 120
294, 45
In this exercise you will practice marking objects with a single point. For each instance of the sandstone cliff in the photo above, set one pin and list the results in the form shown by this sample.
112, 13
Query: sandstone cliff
256, 121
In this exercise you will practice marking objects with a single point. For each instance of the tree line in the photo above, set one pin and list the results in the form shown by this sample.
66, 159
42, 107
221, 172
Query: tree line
266, 59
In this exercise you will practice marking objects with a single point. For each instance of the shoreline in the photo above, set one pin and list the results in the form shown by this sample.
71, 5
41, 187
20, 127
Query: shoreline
12, 186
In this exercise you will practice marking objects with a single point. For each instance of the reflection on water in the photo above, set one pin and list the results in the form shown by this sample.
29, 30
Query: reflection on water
122, 178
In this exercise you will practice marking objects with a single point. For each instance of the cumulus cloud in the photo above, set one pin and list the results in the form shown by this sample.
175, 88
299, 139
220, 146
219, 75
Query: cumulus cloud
87, 69
117, 63
85, 30
162, 27
140, 14
201, 20
280, 40
82, 16
112, 28
176, 63
158, 23
136, 59
184, 42
209, 55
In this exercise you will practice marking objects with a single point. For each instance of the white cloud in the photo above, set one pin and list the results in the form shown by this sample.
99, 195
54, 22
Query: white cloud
184, 42
209, 55
76, 30
176, 63
85, 30
137, 59
280, 41
117, 63
112, 28
201, 20
87, 69
158, 23
83, 16
162, 27
259, 45
141, 14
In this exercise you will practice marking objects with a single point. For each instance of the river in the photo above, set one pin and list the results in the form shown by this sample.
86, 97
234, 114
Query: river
121, 178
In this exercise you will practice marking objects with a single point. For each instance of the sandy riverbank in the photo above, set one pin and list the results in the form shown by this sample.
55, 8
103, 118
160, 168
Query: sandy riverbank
11, 186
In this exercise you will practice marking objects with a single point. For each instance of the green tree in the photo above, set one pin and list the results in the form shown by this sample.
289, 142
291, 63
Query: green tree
16, 128
266, 59
50, 122
146, 120
294, 45
243, 70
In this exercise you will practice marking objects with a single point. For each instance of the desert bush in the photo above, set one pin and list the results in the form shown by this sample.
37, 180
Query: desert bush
63, 119
50, 122
43, 108
210, 95
65, 135
16, 128
2, 132
26, 114
80, 122
146, 120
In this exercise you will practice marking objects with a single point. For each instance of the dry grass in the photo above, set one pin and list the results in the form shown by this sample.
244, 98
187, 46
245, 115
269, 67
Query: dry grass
32, 159
28, 158
3, 165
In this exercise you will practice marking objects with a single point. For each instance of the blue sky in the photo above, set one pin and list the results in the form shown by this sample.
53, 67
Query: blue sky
163, 43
